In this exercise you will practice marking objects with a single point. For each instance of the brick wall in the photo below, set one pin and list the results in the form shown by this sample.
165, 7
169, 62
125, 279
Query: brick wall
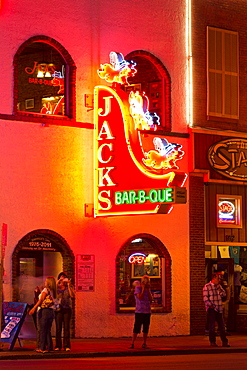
225, 14
197, 254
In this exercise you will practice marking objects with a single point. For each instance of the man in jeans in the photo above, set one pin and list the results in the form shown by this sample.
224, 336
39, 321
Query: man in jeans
212, 297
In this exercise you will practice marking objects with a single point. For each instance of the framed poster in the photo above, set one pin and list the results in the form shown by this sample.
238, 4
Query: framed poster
150, 267
85, 273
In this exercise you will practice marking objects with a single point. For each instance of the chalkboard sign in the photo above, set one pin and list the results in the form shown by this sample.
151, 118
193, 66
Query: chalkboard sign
14, 314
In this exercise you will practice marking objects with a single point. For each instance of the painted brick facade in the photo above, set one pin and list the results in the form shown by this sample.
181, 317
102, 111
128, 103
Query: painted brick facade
197, 255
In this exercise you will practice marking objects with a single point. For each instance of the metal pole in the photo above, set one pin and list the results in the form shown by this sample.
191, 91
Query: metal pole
1, 288
2, 253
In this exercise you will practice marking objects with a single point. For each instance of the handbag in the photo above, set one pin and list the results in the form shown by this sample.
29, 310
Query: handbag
47, 302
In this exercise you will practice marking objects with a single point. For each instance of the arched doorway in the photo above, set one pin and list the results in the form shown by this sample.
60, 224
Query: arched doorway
143, 254
38, 254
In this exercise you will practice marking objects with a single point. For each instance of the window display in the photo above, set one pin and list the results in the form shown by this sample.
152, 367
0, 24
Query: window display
41, 76
138, 258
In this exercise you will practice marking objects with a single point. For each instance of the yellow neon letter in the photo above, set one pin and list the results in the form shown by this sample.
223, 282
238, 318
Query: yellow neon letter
107, 106
105, 176
100, 150
105, 130
104, 199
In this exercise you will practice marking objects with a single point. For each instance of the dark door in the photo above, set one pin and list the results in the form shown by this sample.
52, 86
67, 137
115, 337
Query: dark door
226, 265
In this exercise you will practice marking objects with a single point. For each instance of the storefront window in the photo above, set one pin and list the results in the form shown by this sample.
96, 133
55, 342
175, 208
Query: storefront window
44, 72
143, 256
41, 76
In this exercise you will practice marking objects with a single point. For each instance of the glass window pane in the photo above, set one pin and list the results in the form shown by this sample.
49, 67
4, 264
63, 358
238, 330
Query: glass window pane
132, 266
211, 92
231, 52
41, 76
218, 50
211, 49
218, 93
231, 95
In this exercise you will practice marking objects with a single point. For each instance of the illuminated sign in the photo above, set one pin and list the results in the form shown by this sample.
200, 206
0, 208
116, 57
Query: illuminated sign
167, 195
229, 158
229, 211
226, 212
137, 258
135, 170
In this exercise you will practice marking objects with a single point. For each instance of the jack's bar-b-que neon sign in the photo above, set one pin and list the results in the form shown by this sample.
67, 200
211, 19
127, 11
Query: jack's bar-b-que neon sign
135, 172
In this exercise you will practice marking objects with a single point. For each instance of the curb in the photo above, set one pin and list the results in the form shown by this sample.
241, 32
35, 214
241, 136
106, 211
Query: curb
167, 352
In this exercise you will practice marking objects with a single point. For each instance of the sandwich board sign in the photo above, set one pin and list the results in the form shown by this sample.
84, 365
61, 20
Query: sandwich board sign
14, 314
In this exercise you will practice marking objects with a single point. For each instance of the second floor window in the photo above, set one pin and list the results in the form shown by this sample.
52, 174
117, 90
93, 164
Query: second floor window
222, 73
44, 75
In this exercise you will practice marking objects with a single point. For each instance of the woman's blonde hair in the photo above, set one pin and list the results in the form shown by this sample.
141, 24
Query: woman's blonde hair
51, 284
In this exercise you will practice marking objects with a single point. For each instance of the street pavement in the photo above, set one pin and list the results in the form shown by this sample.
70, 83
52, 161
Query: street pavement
115, 347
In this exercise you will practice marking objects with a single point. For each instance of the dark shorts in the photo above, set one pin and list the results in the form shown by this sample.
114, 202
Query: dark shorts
141, 319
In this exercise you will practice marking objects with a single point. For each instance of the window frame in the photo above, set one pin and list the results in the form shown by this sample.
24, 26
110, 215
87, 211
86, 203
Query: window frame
165, 277
220, 97
70, 96
164, 79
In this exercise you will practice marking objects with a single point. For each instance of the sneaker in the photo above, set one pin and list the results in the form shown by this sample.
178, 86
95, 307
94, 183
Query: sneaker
67, 349
226, 345
57, 349
214, 345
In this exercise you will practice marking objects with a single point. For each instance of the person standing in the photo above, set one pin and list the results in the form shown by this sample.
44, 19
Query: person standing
45, 314
212, 297
143, 298
65, 292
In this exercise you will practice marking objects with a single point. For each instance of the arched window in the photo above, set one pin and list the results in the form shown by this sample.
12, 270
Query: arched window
143, 254
44, 79
153, 78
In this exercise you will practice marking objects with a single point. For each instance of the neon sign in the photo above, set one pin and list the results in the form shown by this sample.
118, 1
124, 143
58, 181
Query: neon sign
126, 156
137, 258
228, 157
42, 69
118, 70
229, 211
226, 212
142, 196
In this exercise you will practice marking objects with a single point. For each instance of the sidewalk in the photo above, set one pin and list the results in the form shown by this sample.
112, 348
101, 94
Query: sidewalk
115, 347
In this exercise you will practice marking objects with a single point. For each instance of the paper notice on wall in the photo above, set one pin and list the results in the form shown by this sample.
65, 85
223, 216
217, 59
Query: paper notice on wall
224, 252
85, 273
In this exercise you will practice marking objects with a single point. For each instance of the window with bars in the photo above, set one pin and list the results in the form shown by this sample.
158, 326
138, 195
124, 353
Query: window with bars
222, 73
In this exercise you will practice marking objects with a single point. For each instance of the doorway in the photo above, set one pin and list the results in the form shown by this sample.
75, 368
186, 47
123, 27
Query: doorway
39, 254
226, 266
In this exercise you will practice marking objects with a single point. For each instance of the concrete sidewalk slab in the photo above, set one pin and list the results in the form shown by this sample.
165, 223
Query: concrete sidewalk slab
116, 347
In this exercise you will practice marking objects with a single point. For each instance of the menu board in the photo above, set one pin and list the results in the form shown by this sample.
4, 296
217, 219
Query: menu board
14, 314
